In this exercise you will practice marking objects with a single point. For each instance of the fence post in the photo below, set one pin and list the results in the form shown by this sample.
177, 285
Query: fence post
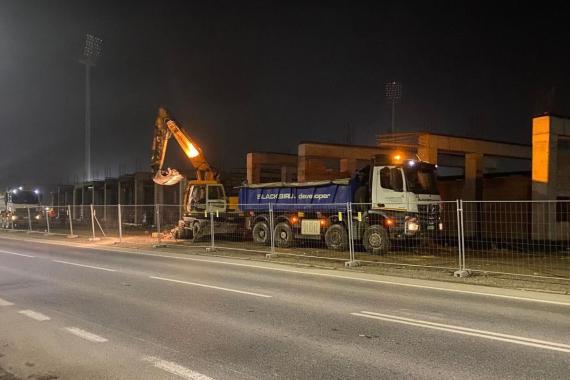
461, 272
70, 218
352, 261
212, 247
271, 228
120, 223
159, 243
29, 220
47, 219
93, 238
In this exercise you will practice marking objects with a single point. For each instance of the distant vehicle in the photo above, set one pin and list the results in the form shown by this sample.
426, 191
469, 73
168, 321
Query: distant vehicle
18, 206
394, 199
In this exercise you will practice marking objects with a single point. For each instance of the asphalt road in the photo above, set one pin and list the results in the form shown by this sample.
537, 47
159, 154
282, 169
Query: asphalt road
77, 313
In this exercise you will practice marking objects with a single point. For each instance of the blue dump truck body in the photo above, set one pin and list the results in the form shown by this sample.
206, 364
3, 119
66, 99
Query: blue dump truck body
311, 196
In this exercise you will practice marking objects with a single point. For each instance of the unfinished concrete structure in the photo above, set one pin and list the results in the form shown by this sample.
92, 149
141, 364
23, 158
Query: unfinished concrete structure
429, 147
319, 161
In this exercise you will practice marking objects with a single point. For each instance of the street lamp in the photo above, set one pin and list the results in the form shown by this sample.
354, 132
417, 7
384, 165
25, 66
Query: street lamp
91, 53
393, 92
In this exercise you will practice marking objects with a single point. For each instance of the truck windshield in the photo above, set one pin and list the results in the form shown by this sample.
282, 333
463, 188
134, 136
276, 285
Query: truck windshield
25, 197
420, 179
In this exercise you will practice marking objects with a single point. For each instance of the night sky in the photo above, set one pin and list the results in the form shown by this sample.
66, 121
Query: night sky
246, 76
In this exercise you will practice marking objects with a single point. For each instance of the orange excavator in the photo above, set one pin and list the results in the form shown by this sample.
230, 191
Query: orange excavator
164, 129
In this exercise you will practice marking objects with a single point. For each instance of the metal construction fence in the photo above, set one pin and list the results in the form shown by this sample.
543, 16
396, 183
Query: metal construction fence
522, 238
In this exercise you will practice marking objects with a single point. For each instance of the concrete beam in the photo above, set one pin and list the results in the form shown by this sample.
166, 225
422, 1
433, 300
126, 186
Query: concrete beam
467, 145
255, 161
473, 185
309, 155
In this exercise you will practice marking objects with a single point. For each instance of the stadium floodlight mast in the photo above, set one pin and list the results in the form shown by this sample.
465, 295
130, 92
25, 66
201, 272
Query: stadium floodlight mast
91, 53
393, 92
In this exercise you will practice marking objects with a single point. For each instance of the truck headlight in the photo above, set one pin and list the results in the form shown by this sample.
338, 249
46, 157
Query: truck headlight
413, 226
14, 217
38, 217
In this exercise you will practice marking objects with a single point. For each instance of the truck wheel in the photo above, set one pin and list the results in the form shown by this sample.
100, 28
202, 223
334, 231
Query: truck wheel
261, 234
283, 235
376, 240
336, 237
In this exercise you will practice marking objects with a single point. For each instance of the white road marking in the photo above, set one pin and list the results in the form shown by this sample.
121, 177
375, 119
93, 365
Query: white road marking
34, 315
5, 303
211, 287
84, 266
554, 346
86, 335
360, 279
14, 253
175, 369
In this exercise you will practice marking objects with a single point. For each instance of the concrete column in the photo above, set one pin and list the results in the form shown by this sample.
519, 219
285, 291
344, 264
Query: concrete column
287, 174
158, 194
348, 166
253, 170
473, 185
544, 177
428, 154
181, 190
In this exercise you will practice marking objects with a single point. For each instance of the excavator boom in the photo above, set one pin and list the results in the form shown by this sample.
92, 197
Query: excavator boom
165, 128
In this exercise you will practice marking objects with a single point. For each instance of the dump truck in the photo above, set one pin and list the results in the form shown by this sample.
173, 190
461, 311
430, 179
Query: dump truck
19, 207
389, 200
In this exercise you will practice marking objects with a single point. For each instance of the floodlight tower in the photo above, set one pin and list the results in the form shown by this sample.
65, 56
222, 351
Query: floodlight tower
393, 92
91, 53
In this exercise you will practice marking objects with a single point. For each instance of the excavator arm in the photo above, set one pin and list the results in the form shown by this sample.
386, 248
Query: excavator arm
165, 128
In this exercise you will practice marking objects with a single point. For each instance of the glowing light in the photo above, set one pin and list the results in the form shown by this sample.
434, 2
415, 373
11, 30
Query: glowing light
294, 220
389, 222
191, 151
397, 157
411, 162
15, 191
323, 222
20, 188
37, 191
14, 217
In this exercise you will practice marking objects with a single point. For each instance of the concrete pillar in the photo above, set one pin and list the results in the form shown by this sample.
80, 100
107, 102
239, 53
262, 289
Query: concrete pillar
473, 185
181, 190
428, 154
287, 174
253, 170
302, 169
544, 177
348, 166
158, 194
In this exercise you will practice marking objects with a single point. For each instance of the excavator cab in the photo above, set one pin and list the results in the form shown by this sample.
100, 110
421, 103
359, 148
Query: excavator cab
206, 198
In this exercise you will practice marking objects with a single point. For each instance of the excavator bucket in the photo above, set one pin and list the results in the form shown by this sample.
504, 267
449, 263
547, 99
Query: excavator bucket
167, 177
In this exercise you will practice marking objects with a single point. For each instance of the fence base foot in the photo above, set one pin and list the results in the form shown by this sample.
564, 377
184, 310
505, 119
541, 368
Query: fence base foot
210, 249
94, 239
72, 236
48, 234
352, 263
462, 273
159, 245
271, 255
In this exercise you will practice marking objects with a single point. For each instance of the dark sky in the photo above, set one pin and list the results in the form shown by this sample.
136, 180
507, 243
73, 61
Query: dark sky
247, 75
